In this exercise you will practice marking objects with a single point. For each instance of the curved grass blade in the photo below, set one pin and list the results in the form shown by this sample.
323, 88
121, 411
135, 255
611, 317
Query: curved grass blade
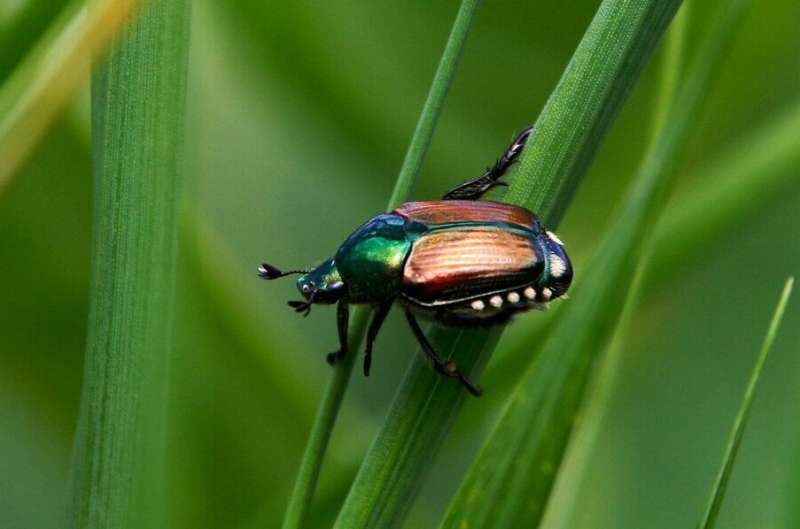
607, 63
311, 464
737, 432
50, 75
509, 484
138, 129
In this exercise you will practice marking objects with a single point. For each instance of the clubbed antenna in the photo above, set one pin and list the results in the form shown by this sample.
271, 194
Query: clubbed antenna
269, 272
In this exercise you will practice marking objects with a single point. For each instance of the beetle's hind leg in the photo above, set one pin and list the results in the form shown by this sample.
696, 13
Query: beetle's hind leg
475, 188
342, 318
445, 368
375, 325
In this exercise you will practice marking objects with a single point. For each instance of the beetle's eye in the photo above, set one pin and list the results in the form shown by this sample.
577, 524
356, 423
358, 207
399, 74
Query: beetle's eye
307, 288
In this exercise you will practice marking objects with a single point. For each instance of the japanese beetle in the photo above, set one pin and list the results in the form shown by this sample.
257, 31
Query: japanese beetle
459, 261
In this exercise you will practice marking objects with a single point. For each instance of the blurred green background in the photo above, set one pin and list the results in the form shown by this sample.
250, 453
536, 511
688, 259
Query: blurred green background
299, 117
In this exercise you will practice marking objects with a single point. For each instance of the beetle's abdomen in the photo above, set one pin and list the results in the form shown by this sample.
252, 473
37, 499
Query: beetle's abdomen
443, 212
453, 264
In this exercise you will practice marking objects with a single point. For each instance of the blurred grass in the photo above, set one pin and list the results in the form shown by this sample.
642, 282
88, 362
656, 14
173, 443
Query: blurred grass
293, 141
755, 170
21, 25
138, 128
51, 73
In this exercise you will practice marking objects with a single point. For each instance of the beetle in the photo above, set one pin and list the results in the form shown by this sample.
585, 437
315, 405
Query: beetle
459, 261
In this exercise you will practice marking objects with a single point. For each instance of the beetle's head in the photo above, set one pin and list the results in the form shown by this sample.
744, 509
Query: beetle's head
559, 267
323, 284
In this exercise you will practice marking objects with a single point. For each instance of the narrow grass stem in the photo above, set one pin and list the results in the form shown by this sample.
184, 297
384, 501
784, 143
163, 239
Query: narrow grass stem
311, 464
317, 444
737, 432
426, 124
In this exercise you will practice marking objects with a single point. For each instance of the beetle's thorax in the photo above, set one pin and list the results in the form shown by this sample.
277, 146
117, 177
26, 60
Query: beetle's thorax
371, 260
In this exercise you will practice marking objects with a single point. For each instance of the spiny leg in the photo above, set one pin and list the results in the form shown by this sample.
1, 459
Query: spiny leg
446, 368
475, 188
342, 317
375, 325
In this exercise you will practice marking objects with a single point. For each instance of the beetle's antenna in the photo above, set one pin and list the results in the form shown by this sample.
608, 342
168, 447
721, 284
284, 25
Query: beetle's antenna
269, 272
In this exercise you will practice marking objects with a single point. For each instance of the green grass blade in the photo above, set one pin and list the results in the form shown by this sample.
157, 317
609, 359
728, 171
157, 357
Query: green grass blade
138, 129
737, 432
671, 68
509, 484
560, 509
51, 73
594, 85
311, 464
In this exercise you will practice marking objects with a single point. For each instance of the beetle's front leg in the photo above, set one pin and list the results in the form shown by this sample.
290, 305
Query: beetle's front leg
475, 188
342, 318
375, 325
446, 368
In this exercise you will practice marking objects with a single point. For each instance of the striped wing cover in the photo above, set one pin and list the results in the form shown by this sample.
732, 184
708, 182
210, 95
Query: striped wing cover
436, 212
448, 265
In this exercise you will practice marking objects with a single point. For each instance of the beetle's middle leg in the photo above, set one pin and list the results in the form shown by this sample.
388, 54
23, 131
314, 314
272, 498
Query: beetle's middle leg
446, 368
475, 188
374, 326
342, 319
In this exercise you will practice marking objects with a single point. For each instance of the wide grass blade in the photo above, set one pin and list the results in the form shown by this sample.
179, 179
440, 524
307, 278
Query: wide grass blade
311, 464
50, 75
606, 65
138, 100
509, 484
737, 432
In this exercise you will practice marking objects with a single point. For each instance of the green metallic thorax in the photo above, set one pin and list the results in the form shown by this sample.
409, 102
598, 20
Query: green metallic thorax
371, 260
